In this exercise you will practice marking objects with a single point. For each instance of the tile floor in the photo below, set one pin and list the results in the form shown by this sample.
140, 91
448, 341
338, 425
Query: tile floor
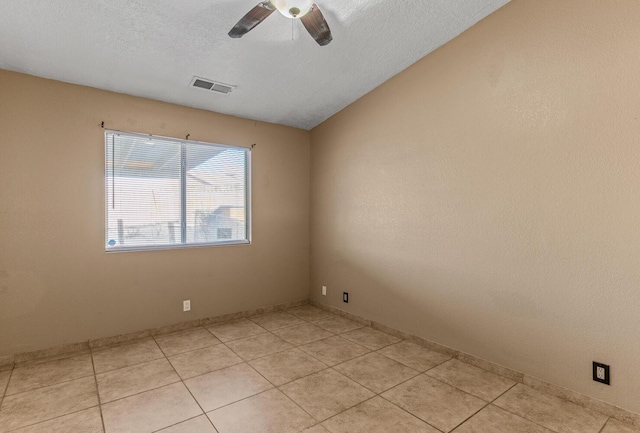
303, 370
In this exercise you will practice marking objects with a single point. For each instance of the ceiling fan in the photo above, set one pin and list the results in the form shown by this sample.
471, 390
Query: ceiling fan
306, 10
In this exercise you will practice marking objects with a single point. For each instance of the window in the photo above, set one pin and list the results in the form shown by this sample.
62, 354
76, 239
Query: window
167, 193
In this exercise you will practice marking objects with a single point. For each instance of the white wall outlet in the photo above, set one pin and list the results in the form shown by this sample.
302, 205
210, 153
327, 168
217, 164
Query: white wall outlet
324, 290
601, 373
186, 305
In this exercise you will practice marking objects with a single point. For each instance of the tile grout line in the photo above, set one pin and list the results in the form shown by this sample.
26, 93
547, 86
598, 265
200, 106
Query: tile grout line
283, 393
634, 423
278, 386
62, 382
297, 347
190, 393
605, 424
293, 346
132, 365
336, 335
357, 404
418, 373
186, 420
238, 401
405, 410
546, 393
164, 337
180, 379
465, 392
190, 350
95, 379
51, 419
164, 356
140, 392
518, 415
401, 408
240, 338
92, 350
489, 403
326, 367
247, 361
375, 394
6, 388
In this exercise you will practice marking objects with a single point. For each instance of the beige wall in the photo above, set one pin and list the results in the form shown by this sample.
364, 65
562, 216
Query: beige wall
57, 285
488, 198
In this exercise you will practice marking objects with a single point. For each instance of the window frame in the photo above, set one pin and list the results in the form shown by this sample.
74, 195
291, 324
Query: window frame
183, 196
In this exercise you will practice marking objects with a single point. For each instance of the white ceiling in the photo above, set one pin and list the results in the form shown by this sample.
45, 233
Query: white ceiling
154, 48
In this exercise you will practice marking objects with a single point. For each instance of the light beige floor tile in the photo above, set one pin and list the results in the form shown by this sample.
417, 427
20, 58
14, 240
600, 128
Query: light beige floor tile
150, 411
199, 424
492, 419
316, 429
86, 421
471, 379
138, 378
275, 321
376, 372
326, 393
126, 355
310, 313
334, 350
338, 324
414, 356
377, 416
615, 426
44, 374
197, 362
217, 389
284, 367
549, 411
302, 334
434, 402
235, 330
43, 404
185, 341
370, 338
269, 412
260, 345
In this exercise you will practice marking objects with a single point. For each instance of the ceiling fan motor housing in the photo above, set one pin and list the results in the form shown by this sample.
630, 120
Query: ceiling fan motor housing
293, 8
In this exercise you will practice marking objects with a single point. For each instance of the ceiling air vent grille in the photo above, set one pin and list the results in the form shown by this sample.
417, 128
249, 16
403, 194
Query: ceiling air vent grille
213, 86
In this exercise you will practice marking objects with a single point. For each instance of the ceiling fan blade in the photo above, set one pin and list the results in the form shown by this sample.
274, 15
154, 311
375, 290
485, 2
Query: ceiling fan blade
252, 19
317, 26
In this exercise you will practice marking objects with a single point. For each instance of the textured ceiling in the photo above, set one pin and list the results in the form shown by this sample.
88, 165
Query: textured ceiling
154, 48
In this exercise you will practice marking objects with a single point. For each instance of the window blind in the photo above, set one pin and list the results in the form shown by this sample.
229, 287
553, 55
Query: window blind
163, 192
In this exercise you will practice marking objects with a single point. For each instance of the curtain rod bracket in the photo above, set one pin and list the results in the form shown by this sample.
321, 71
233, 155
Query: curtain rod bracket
102, 125
188, 135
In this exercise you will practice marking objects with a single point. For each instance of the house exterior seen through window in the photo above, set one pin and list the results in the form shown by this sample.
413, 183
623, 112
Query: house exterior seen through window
168, 193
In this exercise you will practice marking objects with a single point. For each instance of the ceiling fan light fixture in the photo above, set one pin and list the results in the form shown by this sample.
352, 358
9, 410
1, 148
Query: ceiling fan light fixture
293, 8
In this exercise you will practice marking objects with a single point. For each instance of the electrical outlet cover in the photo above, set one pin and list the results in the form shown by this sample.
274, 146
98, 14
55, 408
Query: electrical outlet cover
601, 373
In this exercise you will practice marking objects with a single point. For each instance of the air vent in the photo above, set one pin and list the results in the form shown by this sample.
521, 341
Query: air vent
213, 86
